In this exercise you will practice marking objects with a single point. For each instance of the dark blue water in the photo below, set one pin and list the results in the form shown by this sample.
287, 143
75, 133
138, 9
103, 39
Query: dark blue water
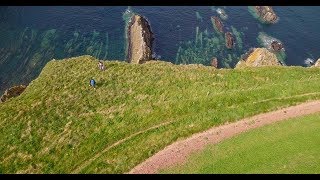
31, 36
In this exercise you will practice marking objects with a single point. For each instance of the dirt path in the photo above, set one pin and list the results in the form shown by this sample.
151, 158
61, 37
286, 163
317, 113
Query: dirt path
178, 151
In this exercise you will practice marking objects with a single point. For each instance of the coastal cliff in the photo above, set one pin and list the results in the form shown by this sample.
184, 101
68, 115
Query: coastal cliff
59, 119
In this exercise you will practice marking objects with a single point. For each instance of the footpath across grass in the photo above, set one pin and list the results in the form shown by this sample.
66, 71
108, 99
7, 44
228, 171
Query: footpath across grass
287, 147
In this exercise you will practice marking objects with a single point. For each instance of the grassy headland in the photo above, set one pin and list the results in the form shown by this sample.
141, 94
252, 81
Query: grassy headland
61, 125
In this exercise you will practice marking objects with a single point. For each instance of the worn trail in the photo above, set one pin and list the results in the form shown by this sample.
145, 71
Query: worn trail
180, 150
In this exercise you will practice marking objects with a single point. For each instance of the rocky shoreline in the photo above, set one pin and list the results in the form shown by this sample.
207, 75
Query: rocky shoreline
12, 92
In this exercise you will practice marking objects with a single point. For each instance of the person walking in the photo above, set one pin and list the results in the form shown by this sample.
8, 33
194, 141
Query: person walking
101, 66
93, 83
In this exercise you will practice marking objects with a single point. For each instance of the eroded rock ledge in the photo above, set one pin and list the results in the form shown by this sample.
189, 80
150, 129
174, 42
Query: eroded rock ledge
12, 92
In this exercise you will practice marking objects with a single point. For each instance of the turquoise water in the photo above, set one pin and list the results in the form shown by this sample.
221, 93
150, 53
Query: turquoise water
31, 36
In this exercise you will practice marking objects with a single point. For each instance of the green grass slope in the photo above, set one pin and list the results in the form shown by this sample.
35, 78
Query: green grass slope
287, 147
61, 125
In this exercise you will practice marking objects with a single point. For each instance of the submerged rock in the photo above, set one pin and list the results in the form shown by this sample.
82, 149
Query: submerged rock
12, 92
223, 15
309, 62
229, 40
217, 23
266, 14
259, 57
140, 39
269, 42
274, 45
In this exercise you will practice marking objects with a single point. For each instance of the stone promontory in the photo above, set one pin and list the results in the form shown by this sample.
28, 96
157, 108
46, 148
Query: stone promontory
266, 14
259, 57
12, 92
140, 39
317, 63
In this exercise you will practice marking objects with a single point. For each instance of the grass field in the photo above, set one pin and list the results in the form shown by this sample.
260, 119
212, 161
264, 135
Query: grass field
290, 146
61, 125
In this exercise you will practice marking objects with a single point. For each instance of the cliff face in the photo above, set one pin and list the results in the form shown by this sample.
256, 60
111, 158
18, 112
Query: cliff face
267, 14
259, 57
12, 92
140, 39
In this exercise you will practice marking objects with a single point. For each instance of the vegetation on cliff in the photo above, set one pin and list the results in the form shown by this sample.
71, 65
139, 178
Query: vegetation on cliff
60, 124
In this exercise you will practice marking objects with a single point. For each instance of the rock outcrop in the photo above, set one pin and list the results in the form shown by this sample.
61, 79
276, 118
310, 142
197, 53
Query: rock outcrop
229, 40
259, 57
12, 92
214, 62
247, 54
276, 46
140, 39
217, 23
266, 14
317, 63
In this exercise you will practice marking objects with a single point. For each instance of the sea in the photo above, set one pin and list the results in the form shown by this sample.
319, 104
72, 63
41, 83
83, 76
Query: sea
31, 36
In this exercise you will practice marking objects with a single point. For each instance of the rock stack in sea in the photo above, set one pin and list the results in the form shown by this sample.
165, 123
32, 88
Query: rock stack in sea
229, 40
218, 25
12, 92
140, 39
259, 57
266, 14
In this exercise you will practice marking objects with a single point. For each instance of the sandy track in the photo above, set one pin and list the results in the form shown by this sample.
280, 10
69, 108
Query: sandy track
178, 151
